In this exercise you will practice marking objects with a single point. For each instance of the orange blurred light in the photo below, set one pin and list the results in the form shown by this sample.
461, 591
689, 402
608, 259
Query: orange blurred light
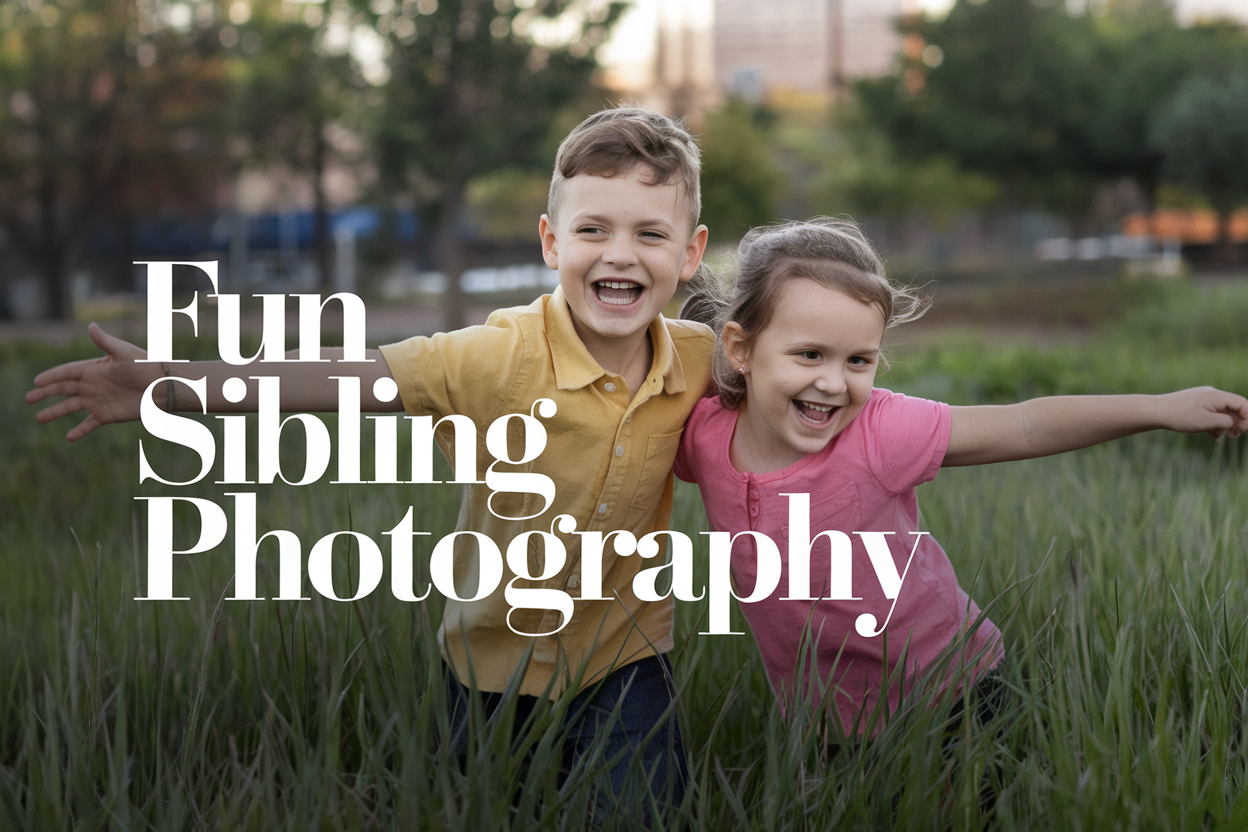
1197, 226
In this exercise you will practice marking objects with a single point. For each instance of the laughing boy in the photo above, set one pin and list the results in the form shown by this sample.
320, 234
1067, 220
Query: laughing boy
622, 231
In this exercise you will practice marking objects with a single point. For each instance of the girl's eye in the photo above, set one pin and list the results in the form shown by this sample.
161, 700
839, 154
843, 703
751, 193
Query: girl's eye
809, 355
858, 361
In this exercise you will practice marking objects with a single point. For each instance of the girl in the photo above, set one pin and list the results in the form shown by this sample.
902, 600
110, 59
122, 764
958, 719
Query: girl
797, 415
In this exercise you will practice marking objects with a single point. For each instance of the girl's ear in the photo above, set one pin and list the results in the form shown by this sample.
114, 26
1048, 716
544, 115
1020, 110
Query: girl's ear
736, 346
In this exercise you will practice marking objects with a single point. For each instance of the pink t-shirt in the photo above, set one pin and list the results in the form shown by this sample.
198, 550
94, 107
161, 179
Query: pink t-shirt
863, 481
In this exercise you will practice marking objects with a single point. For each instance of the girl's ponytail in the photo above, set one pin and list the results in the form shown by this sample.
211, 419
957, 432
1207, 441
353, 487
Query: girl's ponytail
708, 299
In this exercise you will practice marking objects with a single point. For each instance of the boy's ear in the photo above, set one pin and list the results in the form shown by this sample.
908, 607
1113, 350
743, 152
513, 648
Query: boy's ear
735, 345
550, 252
693, 253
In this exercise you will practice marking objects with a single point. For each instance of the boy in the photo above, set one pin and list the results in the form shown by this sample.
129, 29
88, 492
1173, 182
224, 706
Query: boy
622, 232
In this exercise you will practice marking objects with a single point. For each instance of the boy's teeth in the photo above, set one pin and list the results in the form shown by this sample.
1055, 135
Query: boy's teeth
617, 292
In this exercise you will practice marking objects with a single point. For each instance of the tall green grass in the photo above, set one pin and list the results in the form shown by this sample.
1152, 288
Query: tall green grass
1118, 576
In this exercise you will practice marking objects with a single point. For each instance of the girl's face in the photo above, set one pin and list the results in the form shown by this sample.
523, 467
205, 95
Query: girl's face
807, 374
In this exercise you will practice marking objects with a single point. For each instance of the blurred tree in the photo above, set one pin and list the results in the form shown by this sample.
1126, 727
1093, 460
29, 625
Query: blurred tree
291, 90
740, 181
1050, 102
1145, 56
475, 86
105, 110
1203, 133
1003, 87
1141, 11
864, 176
506, 204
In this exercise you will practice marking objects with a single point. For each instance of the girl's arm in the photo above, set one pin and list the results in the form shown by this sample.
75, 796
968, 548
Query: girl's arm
1041, 427
109, 388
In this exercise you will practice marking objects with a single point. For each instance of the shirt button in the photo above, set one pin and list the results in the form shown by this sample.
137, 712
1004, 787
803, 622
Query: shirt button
602, 509
619, 450
609, 387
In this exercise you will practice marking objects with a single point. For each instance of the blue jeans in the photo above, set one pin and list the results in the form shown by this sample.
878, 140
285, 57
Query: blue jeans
628, 716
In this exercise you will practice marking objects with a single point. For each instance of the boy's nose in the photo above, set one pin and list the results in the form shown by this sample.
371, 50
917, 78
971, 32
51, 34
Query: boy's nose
619, 252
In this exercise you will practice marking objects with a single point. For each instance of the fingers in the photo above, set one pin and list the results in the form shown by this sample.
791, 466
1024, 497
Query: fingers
83, 428
64, 372
61, 408
1239, 416
1216, 412
113, 346
56, 388
1235, 409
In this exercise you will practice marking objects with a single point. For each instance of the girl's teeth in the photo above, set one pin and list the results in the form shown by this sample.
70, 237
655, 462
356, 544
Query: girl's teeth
815, 412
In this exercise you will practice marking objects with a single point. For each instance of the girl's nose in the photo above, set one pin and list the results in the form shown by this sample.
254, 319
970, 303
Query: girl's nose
831, 382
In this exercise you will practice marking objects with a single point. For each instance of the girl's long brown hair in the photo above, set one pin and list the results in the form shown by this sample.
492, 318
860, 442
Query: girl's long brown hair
832, 252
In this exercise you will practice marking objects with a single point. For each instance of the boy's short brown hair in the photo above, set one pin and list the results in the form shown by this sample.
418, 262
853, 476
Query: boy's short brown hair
615, 141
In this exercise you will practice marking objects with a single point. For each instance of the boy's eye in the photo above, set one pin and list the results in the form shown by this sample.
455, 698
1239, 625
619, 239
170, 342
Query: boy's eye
652, 235
589, 229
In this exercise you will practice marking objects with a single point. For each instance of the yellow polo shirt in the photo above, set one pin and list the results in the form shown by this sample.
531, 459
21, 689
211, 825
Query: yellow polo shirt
609, 455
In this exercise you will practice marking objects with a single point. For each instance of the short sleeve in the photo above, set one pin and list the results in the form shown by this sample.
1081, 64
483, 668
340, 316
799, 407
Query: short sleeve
696, 441
683, 466
905, 439
470, 371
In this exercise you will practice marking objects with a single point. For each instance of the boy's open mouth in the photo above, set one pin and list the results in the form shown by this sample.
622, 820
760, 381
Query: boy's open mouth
617, 292
817, 413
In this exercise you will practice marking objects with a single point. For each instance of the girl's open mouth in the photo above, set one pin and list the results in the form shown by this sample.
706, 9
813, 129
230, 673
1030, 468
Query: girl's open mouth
817, 413
617, 292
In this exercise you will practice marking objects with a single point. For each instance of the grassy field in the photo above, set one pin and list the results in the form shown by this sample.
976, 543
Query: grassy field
1118, 576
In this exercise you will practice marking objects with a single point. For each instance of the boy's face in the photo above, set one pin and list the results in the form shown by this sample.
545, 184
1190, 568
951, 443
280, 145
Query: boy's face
620, 246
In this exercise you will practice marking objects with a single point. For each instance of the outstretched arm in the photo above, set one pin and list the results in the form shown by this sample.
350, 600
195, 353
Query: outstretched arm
1041, 427
110, 388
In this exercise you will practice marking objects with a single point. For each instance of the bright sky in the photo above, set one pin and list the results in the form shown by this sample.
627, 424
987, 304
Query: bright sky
632, 43
630, 51
1196, 9
1187, 9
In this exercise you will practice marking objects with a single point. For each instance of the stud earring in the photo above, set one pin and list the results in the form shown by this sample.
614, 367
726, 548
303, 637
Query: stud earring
741, 369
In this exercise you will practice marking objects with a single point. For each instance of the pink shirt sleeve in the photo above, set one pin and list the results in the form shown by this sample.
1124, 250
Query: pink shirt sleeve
683, 467
905, 439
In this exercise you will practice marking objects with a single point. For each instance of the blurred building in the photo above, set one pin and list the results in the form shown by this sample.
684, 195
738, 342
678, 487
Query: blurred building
683, 56
700, 51
815, 46
1195, 11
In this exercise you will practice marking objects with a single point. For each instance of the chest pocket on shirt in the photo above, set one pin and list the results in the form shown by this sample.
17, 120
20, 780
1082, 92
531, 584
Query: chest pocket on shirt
660, 454
836, 512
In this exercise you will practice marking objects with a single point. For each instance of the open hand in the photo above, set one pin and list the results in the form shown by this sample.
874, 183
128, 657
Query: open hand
108, 388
